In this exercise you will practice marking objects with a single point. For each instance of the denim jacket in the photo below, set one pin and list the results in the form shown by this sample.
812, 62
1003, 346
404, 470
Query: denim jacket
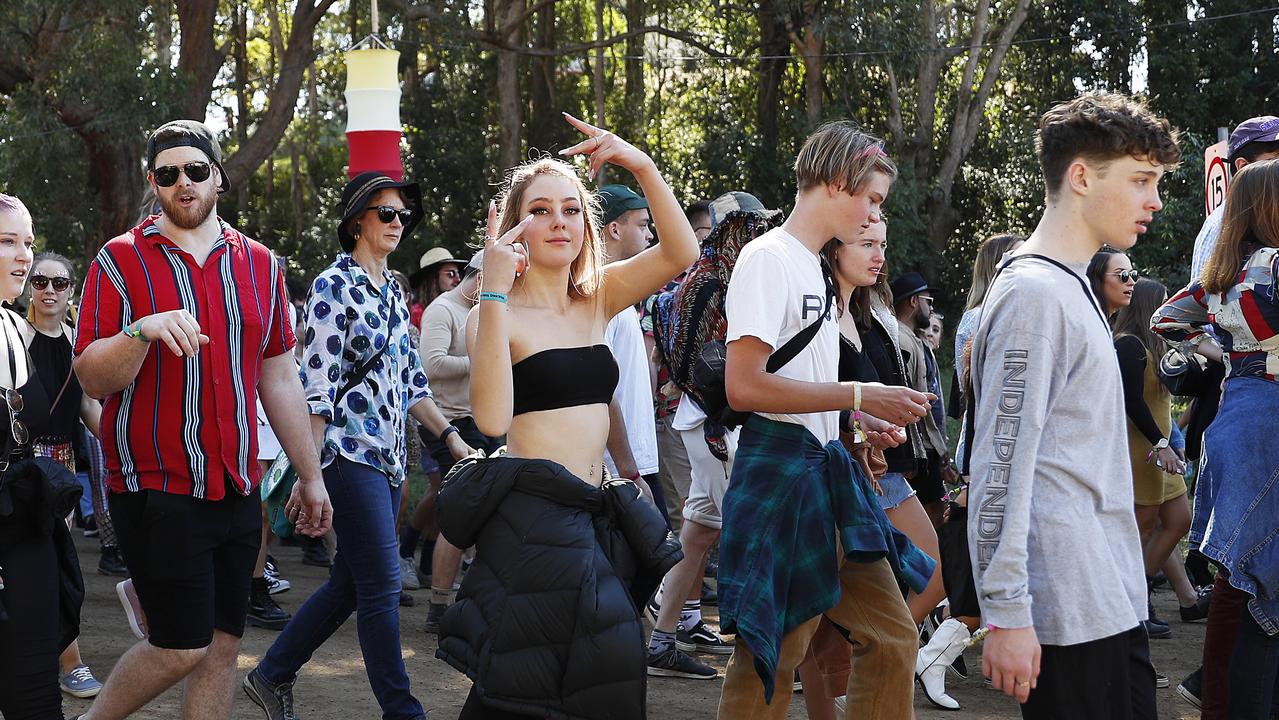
1237, 496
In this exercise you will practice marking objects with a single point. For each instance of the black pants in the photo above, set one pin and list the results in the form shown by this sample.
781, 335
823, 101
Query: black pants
474, 710
29, 637
1106, 679
468, 431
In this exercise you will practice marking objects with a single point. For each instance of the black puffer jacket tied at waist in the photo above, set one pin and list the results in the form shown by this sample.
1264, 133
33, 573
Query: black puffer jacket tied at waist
547, 620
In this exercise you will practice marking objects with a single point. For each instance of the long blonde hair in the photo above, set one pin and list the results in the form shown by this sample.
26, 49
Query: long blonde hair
583, 276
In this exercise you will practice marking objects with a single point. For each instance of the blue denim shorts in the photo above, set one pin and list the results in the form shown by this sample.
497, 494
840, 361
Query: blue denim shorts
896, 490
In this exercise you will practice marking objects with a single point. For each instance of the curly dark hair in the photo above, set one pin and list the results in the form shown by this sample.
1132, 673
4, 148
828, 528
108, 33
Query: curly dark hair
1101, 128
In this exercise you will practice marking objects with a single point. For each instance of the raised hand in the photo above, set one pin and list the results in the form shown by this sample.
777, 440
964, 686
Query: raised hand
602, 146
504, 257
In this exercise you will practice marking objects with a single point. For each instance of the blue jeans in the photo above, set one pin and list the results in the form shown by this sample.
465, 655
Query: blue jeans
365, 579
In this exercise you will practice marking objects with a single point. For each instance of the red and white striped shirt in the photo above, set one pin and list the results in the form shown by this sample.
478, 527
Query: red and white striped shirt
185, 423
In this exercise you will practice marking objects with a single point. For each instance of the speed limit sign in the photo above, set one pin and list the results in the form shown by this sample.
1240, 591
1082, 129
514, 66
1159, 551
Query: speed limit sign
1216, 176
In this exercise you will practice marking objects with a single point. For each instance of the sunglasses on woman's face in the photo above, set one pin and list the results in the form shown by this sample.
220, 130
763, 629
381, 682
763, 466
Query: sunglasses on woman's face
197, 172
1127, 276
386, 213
60, 284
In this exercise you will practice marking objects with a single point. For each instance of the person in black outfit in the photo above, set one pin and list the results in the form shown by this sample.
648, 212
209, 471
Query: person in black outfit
35, 548
48, 338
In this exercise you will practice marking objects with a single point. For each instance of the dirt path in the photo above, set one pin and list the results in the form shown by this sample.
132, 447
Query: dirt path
334, 686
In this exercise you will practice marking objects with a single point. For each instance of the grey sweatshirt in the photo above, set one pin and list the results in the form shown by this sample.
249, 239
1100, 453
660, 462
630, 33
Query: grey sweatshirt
1052, 532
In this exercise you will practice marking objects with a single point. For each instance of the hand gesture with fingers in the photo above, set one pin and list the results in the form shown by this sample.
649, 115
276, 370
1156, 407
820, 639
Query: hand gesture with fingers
504, 257
602, 146
177, 329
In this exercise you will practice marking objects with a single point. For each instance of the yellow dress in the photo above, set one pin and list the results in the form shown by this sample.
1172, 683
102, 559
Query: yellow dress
1150, 485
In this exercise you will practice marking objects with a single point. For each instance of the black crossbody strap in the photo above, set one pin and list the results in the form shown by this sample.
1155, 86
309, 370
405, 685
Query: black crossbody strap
970, 399
363, 369
796, 345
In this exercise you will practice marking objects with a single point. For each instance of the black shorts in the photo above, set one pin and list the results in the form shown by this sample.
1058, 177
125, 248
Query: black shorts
470, 434
191, 561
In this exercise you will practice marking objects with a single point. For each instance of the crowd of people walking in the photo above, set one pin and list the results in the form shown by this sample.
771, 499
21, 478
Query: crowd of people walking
621, 395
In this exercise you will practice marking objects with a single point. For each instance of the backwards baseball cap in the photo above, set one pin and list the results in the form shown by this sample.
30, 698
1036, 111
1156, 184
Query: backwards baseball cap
617, 199
1259, 129
187, 133
738, 201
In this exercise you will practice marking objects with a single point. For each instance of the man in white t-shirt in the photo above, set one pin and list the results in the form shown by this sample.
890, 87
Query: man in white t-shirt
794, 489
632, 437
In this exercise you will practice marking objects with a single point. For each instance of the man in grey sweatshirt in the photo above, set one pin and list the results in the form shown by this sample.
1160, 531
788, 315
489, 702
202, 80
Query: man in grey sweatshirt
1055, 549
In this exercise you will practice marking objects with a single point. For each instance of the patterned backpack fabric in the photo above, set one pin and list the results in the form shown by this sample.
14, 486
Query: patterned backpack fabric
686, 319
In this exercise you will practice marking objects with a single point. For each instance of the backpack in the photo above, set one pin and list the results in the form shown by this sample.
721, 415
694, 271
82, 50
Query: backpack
689, 323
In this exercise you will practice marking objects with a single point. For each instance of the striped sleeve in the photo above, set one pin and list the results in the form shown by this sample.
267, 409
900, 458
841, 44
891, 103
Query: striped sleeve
1183, 317
102, 307
279, 336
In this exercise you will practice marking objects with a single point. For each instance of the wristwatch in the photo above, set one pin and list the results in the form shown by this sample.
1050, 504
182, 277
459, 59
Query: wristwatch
1163, 443
135, 331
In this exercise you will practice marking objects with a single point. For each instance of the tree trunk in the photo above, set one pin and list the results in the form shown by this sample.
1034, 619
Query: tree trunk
766, 173
808, 37
241, 102
543, 123
632, 126
163, 10
199, 58
598, 84
510, 107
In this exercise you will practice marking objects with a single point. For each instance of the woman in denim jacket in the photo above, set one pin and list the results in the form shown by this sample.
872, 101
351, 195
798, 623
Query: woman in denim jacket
1236, 499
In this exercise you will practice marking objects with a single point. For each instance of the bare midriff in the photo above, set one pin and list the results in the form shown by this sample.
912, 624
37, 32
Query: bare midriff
573, 437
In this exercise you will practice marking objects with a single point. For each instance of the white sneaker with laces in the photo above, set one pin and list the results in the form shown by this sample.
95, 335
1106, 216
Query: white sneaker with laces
408, 575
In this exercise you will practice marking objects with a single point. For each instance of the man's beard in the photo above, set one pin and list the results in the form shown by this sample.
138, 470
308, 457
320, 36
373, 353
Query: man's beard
922, 321
192, 217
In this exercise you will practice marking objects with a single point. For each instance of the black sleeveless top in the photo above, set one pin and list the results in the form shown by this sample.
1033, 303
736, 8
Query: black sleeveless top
51, 366
877, 358
564, 377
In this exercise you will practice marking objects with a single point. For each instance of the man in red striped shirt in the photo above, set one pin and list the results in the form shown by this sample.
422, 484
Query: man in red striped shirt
183, 326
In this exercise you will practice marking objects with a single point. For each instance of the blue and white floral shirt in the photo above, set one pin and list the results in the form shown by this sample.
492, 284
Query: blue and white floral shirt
348, 321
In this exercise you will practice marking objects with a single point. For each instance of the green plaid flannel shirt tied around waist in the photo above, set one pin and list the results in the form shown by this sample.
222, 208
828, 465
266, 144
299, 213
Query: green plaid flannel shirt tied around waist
779, 564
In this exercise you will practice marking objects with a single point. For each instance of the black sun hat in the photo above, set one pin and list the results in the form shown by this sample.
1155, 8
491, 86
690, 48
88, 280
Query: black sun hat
360, 189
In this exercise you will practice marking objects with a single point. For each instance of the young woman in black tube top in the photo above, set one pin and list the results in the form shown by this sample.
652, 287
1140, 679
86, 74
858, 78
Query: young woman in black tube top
546, 622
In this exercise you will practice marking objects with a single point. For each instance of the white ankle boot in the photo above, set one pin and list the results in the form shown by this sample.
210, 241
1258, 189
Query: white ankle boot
946, 644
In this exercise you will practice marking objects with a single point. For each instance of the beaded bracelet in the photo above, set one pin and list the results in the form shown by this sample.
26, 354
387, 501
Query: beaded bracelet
494, 296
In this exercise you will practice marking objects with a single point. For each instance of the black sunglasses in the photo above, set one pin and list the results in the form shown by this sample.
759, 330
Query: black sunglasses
1127, 275
386, 213
60, 284
168, 175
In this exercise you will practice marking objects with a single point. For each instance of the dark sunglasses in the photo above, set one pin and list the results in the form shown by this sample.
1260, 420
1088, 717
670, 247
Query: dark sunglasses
386, 214
60, 284
1127, 275
168, 175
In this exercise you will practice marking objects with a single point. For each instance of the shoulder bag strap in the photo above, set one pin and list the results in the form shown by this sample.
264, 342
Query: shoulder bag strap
796, 345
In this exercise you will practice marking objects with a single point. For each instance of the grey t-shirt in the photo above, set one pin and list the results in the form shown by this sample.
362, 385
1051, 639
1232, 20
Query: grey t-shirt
1052, 532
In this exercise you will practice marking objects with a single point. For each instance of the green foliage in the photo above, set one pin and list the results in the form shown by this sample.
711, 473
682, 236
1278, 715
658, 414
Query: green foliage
704, 119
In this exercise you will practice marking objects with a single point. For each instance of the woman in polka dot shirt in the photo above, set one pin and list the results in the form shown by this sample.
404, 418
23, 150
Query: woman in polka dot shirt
357, 319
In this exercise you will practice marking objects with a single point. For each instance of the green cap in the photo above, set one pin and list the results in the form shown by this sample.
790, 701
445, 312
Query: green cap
617, 199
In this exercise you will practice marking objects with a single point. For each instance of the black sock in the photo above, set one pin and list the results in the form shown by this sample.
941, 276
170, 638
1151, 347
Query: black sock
409, 538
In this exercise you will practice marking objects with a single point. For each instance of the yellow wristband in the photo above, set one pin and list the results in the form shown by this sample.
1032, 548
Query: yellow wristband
857, 396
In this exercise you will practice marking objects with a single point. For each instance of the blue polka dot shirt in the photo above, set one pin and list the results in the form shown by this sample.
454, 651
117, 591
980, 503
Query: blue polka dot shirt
349, 320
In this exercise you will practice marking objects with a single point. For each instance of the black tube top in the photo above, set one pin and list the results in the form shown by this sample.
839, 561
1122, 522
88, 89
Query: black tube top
564, 377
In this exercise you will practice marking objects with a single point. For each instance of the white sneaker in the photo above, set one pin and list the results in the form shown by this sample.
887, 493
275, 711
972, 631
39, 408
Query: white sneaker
408, 575
841, 707
276, 585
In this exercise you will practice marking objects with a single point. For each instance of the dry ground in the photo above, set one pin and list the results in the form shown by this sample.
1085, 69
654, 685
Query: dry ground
334, 686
